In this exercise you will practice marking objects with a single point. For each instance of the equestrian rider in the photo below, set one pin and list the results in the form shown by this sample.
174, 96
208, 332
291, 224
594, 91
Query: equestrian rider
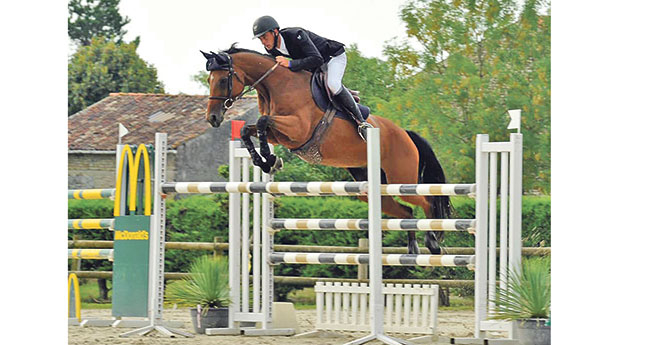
309, 51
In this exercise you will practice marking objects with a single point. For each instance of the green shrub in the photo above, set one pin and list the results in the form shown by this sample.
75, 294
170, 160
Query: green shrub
528, 293
207, 285
196, 218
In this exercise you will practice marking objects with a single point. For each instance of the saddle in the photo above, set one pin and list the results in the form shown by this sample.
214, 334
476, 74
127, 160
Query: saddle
324, 100
310, 151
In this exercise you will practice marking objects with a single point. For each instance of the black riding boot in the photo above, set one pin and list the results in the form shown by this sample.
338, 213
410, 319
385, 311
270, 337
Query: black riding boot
346, 99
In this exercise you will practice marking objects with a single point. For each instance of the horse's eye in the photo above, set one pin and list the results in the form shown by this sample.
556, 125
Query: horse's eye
223, 82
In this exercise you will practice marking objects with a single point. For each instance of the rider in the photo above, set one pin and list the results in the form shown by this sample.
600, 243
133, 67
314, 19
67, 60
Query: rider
309, 51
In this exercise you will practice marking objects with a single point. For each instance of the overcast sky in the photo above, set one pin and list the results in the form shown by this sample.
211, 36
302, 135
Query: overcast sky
172, 32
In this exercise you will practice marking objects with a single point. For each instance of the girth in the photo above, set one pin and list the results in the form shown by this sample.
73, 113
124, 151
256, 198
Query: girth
310, 151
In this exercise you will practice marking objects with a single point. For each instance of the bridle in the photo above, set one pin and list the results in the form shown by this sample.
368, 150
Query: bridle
229, 100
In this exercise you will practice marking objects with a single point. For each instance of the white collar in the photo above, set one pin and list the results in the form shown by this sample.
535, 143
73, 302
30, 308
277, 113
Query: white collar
282, 47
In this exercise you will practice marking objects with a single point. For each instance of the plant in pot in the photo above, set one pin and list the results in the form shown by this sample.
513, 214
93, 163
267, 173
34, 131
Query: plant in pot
206, 290
526, 301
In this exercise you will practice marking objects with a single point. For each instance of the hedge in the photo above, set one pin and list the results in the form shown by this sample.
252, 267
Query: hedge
200, 218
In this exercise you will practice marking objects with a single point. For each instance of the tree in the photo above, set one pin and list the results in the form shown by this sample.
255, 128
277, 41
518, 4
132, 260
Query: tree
371, 76
104, 67
479, 59
93, 18
202, 79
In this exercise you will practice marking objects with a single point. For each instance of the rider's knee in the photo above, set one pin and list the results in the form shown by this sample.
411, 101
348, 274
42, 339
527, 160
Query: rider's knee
334, 84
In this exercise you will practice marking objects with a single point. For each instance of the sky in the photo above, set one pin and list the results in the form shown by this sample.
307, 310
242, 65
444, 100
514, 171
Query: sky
173, 32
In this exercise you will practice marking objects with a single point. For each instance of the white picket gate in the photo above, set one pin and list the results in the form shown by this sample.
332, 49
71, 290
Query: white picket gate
409, 308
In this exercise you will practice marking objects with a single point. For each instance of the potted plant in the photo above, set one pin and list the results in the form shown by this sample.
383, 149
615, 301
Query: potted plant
526, 301
207, 290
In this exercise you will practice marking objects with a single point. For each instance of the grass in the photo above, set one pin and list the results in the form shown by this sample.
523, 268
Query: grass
89, 295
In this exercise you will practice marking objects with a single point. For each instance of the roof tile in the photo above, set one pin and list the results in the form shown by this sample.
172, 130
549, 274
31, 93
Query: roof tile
183, 117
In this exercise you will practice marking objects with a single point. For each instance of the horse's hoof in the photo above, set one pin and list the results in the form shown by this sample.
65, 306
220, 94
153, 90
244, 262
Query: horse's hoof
431, 242
279, 164
271, 160
413, 248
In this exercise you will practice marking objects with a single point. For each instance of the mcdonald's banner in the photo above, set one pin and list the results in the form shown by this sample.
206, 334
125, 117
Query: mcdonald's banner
130, 279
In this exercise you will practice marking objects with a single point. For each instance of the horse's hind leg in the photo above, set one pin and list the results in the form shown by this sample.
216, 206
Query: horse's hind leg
389, 206
402, 168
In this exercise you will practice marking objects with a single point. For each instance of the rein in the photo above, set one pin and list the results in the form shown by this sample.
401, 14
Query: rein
229, 101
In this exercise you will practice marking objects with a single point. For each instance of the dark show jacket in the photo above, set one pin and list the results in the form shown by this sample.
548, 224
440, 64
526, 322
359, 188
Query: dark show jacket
307, 49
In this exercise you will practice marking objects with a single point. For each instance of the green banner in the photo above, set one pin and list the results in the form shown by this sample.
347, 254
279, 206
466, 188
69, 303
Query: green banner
130, 270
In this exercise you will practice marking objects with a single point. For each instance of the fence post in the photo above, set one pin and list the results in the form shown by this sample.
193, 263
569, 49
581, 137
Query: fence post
216, 241
76, 264
363, 269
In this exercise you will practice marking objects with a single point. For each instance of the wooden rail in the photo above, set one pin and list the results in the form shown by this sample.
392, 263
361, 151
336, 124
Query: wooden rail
210, 246
298, 281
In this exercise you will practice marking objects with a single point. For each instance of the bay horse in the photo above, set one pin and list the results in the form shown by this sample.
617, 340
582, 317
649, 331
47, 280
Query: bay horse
290, 116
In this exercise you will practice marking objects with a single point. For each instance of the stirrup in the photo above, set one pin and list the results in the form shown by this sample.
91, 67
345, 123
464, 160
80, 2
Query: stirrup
362, 127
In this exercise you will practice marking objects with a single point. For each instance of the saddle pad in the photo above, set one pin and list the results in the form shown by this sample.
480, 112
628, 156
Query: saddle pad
320, 96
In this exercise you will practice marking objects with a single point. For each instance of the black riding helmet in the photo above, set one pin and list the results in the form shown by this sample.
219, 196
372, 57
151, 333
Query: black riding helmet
264, 24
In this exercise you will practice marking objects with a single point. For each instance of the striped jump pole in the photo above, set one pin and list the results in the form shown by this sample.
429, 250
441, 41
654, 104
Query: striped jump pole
387, 259
92, 254
386, 224
429, 189
91, 223
282, 188
91, 194
317, 188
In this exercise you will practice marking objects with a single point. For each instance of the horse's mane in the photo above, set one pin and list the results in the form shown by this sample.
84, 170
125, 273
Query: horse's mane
233, 50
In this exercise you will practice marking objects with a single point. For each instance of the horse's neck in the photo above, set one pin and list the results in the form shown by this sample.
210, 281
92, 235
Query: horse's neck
255, 66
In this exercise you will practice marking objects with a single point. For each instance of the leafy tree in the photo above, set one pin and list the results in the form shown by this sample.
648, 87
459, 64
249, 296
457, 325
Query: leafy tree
371, 76
104, 67
92, 18
479, 59
202, 79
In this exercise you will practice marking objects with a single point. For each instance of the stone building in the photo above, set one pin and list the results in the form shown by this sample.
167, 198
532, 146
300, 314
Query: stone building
195, 149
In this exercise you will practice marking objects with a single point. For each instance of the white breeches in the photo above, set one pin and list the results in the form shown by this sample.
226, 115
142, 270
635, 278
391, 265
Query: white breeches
336, 67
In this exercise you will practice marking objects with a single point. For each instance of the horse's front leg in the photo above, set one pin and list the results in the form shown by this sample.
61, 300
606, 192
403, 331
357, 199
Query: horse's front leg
246, 133
262, 134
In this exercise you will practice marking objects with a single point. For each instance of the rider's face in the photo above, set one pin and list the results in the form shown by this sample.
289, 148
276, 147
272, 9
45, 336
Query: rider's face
268, 40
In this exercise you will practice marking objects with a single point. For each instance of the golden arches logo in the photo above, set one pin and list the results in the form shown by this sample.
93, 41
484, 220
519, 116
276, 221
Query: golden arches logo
133, 166
73, 283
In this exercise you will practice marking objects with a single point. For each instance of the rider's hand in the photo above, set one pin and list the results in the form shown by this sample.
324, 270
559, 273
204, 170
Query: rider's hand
284, 62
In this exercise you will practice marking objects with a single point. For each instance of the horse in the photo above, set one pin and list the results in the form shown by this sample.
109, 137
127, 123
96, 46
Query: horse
289, 116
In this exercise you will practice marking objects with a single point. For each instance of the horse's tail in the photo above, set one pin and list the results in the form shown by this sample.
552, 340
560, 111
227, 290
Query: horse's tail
430, 171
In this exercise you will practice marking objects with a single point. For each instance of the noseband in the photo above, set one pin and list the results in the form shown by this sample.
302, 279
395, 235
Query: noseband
229, 100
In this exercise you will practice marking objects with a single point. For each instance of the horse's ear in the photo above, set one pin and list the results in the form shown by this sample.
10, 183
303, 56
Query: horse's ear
207, 56
222, 59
